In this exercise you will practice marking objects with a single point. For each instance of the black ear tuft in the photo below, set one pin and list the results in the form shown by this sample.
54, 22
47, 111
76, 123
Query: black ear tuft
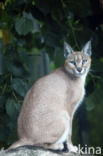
87, 48
67, 50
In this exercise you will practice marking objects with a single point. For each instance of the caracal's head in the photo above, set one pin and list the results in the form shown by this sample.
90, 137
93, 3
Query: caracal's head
77, 62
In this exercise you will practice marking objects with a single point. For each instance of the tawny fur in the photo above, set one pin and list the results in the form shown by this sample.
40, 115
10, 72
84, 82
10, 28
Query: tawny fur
46, 116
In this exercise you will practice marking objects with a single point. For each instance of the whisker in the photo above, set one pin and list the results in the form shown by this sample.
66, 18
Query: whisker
91, 70
95, 76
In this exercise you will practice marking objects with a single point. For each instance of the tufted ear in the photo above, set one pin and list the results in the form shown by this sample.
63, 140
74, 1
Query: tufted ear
87, 48
67, 50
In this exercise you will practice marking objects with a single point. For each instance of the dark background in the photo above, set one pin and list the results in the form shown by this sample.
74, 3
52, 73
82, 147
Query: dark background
32, 33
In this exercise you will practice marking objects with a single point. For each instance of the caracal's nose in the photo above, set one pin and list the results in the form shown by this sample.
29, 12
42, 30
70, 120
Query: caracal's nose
79, 69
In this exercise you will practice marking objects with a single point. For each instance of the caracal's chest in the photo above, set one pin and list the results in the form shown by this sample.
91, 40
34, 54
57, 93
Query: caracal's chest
75, 94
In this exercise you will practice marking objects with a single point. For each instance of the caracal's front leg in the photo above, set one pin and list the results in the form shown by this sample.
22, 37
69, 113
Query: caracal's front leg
71, 147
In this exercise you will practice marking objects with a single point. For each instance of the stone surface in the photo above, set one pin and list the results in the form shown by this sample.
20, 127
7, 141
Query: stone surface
27, 151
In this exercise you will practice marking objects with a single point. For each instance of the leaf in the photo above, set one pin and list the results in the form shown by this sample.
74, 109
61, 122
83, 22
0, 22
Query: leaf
12, 108
17, 71
92, 100
23, 26
24, 59
89, 103
26, 24
20, 86
29, 16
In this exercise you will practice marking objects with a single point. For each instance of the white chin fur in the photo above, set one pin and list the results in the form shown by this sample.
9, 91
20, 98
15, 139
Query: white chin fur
80, 74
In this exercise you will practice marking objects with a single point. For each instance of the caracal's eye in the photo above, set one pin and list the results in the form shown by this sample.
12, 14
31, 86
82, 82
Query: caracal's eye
72, 62
84, 61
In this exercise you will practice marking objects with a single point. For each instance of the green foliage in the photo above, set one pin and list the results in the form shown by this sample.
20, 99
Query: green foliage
12, 108
28, 28
26, 24
19, 86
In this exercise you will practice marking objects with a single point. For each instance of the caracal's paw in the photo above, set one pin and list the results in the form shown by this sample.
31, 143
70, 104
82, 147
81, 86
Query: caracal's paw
73, 149
56, 146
